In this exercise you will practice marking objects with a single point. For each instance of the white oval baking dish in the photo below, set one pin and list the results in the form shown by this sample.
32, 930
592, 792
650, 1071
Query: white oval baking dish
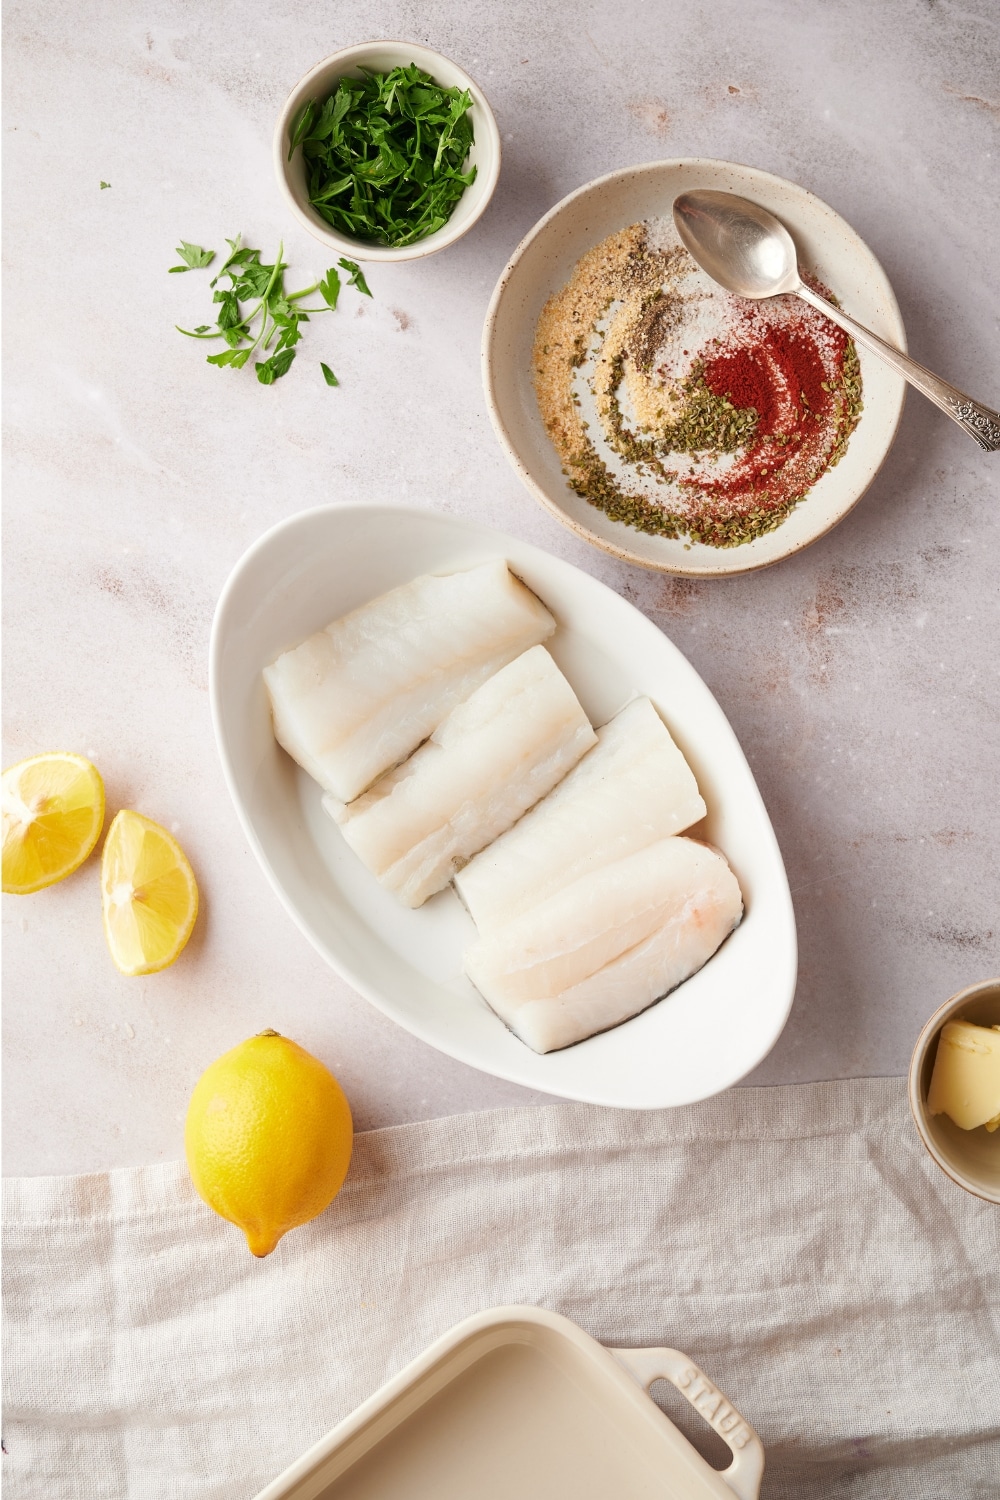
521, 1402
320, 564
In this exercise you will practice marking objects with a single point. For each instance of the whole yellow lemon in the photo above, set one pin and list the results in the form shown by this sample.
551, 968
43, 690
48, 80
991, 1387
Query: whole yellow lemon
268, 1138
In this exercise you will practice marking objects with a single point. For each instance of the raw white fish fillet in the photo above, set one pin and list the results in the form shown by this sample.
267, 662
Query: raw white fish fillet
359, 696
486, 764
604, 948
633, 788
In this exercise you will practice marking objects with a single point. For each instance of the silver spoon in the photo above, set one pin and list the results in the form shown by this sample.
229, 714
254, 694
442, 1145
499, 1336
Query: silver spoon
746, 250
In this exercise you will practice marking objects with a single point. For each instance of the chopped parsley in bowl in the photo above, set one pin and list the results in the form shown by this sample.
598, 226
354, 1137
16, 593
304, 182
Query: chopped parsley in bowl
388, 150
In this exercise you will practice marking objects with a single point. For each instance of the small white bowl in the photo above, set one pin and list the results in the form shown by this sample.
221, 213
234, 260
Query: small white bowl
969, 1157
544, 261
313, 567
321, 81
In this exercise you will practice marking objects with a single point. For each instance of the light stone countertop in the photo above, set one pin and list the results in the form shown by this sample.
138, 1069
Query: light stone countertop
862, 677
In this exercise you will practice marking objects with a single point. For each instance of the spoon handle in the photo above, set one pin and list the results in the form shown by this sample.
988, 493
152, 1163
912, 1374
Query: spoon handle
977, 420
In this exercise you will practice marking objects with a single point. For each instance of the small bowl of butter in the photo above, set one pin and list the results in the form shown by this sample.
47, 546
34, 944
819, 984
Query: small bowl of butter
954, 1088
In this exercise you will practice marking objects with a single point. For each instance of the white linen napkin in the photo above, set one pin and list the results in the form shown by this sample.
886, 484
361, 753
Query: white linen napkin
796, 1242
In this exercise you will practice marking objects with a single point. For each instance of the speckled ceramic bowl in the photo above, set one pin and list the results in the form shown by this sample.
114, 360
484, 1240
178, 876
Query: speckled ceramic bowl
969, 1157
544, 261
321, 81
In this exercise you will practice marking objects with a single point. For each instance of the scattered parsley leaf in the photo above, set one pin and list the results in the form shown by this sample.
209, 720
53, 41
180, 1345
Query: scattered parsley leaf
330, 288
357, 276
270, 370
384, 154
236, 358
275, 317
105, 184
193, 256
237, 256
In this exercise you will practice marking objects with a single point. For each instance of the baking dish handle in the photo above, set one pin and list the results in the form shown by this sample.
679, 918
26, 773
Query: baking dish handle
746, 1470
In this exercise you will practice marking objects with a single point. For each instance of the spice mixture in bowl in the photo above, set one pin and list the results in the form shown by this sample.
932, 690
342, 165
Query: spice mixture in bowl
660, 417
681, 409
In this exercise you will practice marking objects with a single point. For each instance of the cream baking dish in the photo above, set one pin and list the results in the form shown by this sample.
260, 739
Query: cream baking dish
521, 1404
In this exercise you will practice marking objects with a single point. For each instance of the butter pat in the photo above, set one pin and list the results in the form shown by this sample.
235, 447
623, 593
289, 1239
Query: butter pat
965, 1084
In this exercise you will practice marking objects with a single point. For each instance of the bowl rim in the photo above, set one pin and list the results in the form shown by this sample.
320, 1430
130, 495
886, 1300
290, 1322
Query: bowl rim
625, 554
918, 1106
432, 243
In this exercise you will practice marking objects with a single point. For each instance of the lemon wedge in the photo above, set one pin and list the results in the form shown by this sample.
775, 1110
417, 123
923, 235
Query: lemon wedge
53, 813
149, 894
